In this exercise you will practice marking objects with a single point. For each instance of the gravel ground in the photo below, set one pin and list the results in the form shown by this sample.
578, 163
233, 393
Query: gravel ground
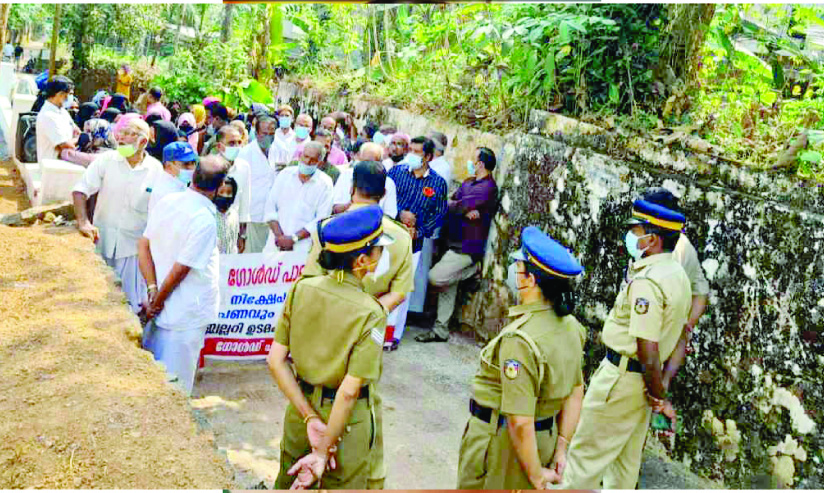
425, 388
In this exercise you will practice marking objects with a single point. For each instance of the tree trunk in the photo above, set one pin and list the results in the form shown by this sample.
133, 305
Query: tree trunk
180, 24
55, 32
4, 20
226, 32
686, 30
80, 58
387, 31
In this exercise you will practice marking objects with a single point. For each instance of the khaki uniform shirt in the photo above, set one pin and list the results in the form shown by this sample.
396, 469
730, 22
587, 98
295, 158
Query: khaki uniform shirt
508, 378
400, 277
653, 304
686, 255
332, 330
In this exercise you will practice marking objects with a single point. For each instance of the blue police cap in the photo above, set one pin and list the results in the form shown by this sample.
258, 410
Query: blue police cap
179, 151
354, 230
646, 212
546, 254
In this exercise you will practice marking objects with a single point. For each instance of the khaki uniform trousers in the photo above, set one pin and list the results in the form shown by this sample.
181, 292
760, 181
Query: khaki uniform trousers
488, 460
451, 269
256, 236
377, 467
353, 452
609, 441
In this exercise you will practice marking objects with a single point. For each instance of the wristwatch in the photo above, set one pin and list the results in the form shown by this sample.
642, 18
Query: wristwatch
295, 238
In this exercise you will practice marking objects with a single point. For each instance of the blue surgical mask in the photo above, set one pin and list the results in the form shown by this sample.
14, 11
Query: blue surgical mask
231, 153
470, 168
285, 121
378, 138
186, 176
631, 242
414, 161
302, 132
306, 170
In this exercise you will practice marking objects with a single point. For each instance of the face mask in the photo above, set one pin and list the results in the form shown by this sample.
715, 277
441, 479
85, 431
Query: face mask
210, 131
301, 132
231, 153
378, 138
285, 121
223, 203
306, 170
69, 102
414, 161
186, 176
470, 168
127, 150
339, 131
266, 141
631, 242
512, 280
383, 265
397, 159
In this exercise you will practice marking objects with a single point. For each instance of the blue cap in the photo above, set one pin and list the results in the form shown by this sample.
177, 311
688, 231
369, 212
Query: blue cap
646, 212
354, 230
179, 151
546, 254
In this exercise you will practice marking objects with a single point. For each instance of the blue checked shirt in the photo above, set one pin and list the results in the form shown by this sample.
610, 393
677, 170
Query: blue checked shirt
429, 211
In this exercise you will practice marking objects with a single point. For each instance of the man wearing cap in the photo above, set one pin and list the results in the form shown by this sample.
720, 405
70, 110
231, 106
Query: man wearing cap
229, 142
122, 180
342, 193
391, 283
641, 332
396, 150
179, 161
262, 177
299, 198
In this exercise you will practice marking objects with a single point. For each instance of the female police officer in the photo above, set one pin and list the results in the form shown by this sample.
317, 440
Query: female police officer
334, 331
529, 378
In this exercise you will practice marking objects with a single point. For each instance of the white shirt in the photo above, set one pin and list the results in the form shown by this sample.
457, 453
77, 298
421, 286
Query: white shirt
262, 176
54, 127
296, 205
441, 166
388, 164
122, 200
283, 148
8, 50
242, 173
163, 185
183, 229
343, 193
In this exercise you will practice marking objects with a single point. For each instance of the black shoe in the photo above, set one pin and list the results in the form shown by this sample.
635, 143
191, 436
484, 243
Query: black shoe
430, 337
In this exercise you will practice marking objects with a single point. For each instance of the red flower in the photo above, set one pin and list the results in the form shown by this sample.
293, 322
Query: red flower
428, 191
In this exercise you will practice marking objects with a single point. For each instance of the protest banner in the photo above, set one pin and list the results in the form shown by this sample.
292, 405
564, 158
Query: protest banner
253, 290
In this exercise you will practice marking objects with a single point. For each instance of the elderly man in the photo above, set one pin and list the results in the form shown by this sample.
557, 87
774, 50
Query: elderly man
342, 194
262, 177
122, 181
284, 146
179, 161
303, 130
298, 199
336, 156
470, 216
56, 130
440, 165
229, 141
155, 107
179, 250
422, 204
397, 150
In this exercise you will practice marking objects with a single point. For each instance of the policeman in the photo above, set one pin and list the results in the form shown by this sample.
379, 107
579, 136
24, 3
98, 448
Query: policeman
528, 389
390, 284
641, 332
334, 332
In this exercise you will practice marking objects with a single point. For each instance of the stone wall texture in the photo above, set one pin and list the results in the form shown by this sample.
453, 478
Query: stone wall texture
750, 396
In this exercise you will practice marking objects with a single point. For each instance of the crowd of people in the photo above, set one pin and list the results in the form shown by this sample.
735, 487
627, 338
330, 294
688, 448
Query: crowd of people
174, 189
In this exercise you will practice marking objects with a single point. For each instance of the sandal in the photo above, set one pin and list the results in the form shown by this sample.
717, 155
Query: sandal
391, 345
430, 337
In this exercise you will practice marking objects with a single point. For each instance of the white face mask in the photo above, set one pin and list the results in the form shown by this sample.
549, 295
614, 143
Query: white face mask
383, 265
631, 242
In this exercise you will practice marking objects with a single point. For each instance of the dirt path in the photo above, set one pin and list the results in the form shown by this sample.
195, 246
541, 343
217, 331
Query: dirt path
425, 388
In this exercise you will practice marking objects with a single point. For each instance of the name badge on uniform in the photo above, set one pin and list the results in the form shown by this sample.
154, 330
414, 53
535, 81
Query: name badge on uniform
512, 368
641, 306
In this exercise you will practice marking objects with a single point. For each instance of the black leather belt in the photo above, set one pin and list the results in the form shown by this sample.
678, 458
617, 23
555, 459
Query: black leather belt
329, 394
485, 414
634, 365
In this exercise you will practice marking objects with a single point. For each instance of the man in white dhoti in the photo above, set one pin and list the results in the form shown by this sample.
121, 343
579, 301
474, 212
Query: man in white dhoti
122, 180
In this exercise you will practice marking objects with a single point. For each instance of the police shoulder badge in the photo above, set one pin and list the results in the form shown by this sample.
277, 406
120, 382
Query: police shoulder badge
641, 306
512, 368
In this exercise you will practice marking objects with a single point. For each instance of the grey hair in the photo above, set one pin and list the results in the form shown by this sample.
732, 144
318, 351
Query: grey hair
317, 146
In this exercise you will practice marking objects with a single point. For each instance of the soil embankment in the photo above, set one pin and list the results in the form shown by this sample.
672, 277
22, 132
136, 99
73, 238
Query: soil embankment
82, 405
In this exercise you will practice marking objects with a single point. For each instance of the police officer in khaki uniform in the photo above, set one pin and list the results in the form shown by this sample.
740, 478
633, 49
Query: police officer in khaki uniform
334, 332
392, 281
640, 334
529, 387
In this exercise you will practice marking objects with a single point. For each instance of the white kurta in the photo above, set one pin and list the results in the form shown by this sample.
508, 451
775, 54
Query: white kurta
444, 169
241, 172
343, 193
261, 176
54, 127
163, 185
283, 148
